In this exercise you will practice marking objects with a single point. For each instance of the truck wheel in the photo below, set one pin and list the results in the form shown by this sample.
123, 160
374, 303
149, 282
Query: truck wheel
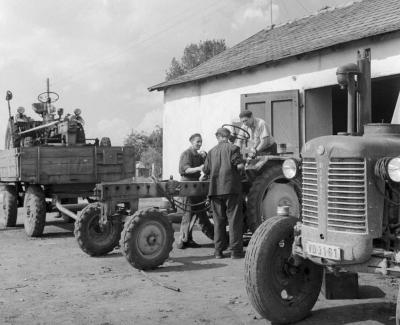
10, 205
34, 211
94, 239
270, 190
147, 239
279, 290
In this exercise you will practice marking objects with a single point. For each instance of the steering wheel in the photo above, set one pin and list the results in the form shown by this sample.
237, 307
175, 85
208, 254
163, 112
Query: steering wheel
48, 97
244, 137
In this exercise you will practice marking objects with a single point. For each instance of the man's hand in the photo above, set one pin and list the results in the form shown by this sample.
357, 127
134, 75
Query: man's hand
203, 154
252, 154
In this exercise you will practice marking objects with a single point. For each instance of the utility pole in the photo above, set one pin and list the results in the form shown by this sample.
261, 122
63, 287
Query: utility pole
271, 11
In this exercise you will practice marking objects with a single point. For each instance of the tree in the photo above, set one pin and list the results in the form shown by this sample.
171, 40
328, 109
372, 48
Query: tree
148, 148
175, 70
138, 140
194, 55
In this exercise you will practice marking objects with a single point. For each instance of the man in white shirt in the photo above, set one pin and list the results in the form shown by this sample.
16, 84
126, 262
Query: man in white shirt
261, 141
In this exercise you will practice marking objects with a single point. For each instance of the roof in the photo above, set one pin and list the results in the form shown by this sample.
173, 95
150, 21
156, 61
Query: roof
325, 29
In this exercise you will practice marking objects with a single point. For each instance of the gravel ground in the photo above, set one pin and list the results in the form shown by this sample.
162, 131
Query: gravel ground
49, 280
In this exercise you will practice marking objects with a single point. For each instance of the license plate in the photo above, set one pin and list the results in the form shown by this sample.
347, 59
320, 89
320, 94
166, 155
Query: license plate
322, 250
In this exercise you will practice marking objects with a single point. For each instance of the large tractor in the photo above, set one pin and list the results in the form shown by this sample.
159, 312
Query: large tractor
350, 211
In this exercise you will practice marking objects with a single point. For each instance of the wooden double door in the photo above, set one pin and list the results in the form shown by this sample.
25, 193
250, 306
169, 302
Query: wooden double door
281, 111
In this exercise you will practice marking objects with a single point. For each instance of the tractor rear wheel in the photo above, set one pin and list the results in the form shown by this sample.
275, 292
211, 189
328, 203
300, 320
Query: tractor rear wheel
34, 211
10, 205
268, 191
93, 238
147, 239
280, 290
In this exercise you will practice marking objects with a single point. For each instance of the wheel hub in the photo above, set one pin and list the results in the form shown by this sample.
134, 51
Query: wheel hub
151, 239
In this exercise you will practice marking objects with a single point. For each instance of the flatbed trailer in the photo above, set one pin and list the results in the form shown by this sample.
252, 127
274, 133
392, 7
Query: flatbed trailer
42, 177
147, 236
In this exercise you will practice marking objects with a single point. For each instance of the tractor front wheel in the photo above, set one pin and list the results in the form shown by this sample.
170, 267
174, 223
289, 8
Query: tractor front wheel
10, 205
94, 238
279, 289
34, 211
147, 239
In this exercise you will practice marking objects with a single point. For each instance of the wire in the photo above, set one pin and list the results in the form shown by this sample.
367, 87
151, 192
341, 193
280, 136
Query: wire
304, 8
119, 53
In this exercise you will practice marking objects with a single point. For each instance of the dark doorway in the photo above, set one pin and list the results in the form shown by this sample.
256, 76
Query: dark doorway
384, 97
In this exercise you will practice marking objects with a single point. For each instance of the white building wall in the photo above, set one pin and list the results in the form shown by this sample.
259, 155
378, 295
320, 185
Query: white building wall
203, 107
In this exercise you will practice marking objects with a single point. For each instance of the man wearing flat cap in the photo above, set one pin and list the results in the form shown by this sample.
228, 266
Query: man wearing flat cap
223, 164
261, 140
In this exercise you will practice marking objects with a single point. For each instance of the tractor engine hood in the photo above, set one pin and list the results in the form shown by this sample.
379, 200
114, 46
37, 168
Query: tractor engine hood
379, 140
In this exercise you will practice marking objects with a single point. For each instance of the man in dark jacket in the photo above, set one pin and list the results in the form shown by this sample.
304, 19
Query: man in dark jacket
222, 164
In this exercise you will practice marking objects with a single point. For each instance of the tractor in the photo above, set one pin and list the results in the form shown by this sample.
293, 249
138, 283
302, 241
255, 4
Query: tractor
147, 237
350, 220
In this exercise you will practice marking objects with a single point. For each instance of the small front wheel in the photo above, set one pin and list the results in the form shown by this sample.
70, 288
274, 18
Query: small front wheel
147, 239
279, 289
93, 238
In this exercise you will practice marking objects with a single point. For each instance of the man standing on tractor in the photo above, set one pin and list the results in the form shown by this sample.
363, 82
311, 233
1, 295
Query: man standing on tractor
190, 167
223, 164
261, 141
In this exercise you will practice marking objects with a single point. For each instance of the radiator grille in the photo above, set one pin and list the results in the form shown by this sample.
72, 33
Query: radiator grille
310, 193
347, 195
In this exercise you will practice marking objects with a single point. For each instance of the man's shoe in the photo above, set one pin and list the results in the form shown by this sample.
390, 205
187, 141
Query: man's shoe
191, 243
237, 255
218, 255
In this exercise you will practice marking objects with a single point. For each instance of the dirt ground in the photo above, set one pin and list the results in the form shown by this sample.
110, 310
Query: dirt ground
49, 280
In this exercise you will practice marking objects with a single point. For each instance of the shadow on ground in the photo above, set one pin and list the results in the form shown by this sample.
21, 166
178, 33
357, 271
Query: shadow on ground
382, 312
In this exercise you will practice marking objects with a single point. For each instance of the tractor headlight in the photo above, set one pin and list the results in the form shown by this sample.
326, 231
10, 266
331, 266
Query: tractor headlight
393, 169
290, 168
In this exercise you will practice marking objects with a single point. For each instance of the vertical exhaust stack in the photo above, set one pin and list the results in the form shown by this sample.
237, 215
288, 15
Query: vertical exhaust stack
346, 77
357, 79
364, 110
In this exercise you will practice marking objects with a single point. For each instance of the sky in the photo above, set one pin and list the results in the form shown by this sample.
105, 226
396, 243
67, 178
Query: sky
102, 55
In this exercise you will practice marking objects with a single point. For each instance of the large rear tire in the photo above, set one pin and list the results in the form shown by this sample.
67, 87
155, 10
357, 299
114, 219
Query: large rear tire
10, 205
95, 239
279, 290
34, 211
268, 191
147, 239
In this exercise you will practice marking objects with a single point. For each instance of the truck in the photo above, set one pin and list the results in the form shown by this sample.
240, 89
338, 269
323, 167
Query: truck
48, 164
350, 211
